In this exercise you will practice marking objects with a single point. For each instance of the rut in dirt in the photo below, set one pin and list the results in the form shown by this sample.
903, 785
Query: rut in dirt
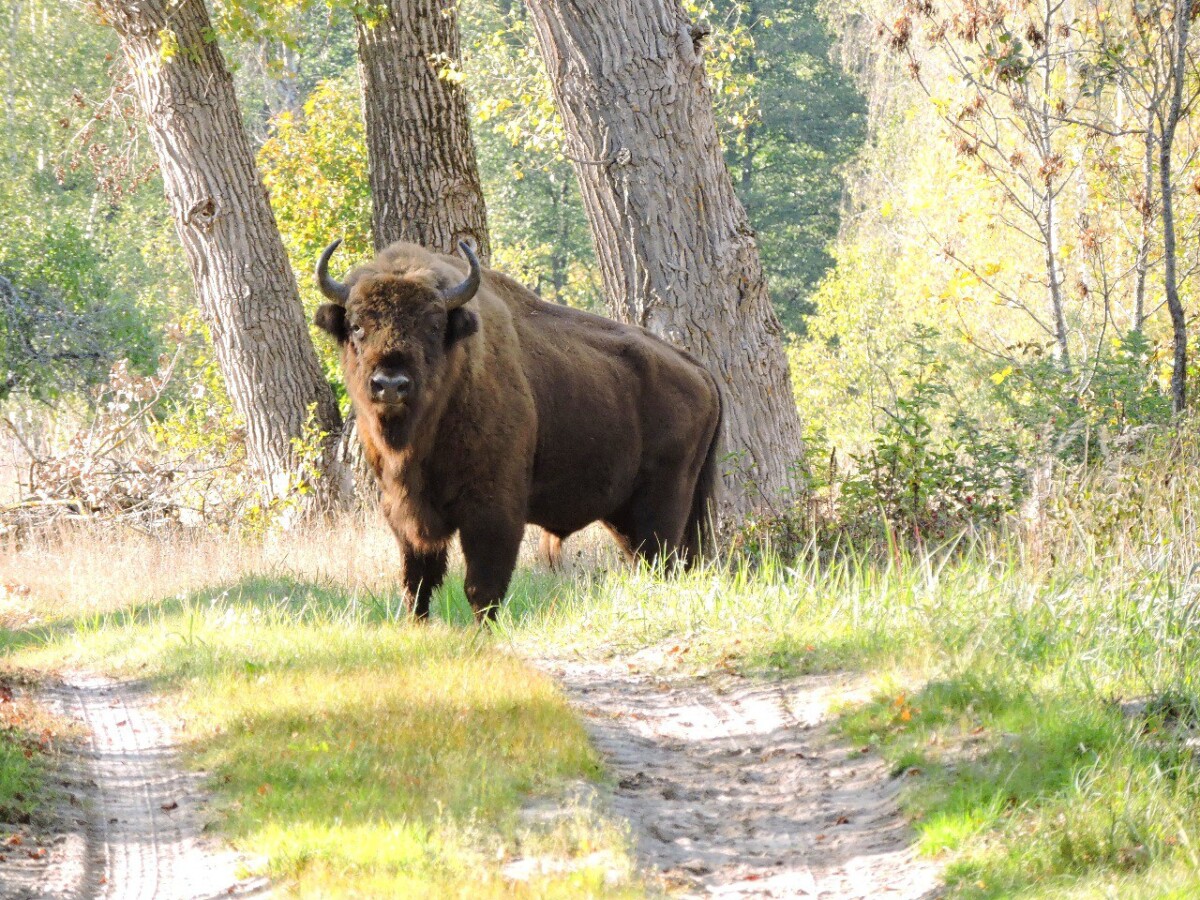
129, 821
737, 788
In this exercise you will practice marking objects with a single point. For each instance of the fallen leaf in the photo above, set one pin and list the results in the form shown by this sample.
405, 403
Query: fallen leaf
167, 807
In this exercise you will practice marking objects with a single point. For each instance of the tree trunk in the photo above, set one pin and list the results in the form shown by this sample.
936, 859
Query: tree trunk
675, 247
241, 272
1062, 347
421, 164
1146, 215
424, 178
1170, 121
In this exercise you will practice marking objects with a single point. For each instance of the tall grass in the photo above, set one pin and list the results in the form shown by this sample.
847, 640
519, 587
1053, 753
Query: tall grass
357, 753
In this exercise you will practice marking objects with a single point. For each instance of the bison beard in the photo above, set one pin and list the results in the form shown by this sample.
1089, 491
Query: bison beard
481, 409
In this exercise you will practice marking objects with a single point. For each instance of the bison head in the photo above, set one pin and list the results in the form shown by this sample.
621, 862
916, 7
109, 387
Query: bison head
396, 333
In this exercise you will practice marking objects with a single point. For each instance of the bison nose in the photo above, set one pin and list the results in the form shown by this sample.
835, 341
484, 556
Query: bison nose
390, 388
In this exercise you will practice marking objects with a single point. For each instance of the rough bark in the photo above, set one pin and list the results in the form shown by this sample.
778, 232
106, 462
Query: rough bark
243, 280
674, 245
421, 158
421, 163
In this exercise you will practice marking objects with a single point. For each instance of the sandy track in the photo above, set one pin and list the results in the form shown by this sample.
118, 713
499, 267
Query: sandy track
129, 823
736, 788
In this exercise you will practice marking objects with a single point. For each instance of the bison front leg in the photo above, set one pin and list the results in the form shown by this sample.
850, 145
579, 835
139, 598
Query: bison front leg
490, 549
423, 574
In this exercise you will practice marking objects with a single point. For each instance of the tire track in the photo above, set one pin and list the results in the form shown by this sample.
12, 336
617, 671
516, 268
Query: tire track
736, 788
131, 825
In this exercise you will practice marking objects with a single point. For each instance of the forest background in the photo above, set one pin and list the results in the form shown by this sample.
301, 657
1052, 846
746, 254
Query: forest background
960, 210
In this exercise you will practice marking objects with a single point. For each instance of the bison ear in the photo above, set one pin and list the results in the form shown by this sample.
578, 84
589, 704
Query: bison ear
331, 318
461, 323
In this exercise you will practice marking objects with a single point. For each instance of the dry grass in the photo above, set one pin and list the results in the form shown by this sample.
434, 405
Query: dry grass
73, 570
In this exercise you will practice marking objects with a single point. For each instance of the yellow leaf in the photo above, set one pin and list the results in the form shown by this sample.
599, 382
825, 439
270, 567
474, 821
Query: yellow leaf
998, 377
168, 44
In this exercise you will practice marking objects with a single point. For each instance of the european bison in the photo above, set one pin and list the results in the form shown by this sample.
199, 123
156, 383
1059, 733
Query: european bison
482, 408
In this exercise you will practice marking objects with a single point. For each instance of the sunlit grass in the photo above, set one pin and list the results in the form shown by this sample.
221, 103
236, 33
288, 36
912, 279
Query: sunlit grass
999, 692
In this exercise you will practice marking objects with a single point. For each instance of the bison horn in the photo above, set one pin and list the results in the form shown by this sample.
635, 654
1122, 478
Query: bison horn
457, 296
331, 288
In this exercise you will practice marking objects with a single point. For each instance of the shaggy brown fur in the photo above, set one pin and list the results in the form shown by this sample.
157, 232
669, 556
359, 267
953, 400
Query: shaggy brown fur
519, 411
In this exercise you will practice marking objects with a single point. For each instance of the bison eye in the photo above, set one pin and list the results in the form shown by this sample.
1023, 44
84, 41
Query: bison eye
356, 332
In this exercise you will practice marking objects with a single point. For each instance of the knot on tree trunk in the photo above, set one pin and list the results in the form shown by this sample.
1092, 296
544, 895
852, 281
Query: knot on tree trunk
203, 213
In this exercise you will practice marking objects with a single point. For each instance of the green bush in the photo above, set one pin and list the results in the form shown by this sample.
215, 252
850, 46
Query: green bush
933, 470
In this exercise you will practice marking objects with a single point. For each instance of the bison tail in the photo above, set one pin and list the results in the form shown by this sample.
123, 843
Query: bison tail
700, 537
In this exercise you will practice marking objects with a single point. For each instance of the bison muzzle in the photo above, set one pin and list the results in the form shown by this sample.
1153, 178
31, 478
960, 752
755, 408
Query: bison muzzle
482, 408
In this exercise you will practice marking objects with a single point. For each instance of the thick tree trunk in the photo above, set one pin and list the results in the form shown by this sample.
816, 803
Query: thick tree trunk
421, 164
421, 157
243, 280
675, 247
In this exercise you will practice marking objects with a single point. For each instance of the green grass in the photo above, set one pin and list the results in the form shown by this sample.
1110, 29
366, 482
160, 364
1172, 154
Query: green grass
999, 694
22, 775
30, 738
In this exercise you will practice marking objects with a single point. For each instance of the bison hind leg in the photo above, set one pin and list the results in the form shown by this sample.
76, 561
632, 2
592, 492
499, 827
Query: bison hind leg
652, 524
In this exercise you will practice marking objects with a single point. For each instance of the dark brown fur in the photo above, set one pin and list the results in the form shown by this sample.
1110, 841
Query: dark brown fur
521, 411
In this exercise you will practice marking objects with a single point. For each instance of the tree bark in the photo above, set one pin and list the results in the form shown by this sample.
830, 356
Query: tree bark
424, 178
243, 280
421, 164
674, 245
1062, 346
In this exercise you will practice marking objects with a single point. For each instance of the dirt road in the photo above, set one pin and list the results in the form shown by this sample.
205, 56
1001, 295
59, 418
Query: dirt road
736, 788
731, 788
129, 818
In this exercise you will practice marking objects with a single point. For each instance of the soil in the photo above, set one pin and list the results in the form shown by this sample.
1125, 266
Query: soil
738, 788
127, 819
